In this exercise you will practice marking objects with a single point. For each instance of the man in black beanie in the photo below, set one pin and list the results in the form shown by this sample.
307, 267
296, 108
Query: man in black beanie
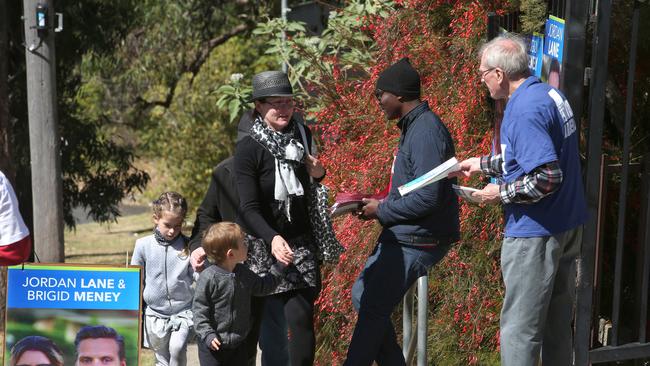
418, 228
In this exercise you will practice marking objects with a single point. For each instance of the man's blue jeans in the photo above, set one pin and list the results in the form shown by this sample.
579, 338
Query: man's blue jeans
390, 271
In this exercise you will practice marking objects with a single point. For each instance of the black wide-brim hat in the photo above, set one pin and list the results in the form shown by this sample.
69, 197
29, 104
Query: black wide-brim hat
271, 84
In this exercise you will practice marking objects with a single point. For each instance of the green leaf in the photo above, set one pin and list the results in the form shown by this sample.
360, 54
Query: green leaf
228, 89
233, 109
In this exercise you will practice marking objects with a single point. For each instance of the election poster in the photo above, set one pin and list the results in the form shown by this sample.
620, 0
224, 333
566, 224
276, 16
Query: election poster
535, 53
553, 50
73, 312
535, 49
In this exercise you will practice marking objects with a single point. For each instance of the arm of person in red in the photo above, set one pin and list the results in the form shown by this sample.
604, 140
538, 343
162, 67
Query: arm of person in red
15, 242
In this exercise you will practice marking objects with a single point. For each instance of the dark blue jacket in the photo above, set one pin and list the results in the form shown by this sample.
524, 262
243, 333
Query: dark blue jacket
431, 211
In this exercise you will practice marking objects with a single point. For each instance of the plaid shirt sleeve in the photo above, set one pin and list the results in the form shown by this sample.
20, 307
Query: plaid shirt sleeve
492, 165
532, 187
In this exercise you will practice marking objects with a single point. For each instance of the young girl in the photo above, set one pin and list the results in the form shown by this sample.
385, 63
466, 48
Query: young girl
168, 276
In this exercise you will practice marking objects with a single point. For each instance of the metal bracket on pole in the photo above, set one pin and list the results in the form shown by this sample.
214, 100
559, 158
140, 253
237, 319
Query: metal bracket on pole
59, 22
587, 77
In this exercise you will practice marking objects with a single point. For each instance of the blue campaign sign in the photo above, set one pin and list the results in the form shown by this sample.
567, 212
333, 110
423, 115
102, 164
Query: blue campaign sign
554, 38
535, 53
73, 287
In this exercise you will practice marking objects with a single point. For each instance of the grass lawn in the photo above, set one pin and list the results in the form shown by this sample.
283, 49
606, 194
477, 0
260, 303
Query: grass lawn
107, 243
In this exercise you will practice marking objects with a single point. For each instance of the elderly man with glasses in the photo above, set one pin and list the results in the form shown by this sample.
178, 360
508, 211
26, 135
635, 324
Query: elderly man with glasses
542, 195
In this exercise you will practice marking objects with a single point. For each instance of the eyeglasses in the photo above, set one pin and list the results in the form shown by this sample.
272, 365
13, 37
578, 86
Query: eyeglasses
281, 104
378, 94
485, 72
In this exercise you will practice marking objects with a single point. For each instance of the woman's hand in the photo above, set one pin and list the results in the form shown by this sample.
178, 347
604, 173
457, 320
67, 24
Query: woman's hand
197, 259
215, 344
314, 167
281, 250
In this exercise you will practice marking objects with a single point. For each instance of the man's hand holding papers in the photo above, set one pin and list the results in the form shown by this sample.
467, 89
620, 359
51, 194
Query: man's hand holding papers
466, 168
369, 209
354, 202
489, 194
466, 193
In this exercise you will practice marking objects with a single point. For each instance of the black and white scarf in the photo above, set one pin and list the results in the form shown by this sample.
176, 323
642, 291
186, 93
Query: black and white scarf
160, 238
288, 154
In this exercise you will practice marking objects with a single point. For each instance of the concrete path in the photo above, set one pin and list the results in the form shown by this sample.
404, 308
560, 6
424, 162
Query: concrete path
193, 355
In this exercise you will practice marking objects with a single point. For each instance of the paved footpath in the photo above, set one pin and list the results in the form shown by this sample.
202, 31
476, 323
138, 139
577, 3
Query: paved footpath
193, 355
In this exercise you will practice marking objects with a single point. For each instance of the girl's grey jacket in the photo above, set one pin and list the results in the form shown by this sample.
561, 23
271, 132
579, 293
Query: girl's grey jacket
222, 303
168, 275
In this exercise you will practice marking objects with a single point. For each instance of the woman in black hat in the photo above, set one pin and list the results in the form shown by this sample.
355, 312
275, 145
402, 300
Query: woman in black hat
273, 170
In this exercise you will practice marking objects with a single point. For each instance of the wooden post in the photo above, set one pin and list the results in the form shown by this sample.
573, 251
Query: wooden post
43, 133
5, 134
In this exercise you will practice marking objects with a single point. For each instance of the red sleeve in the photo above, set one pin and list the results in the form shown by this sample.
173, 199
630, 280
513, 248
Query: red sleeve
15, 253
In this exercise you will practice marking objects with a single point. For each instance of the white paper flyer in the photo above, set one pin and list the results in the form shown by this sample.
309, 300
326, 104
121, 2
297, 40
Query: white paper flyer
434, 175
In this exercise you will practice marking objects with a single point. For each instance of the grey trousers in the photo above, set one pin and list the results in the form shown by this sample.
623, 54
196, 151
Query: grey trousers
539, 276
170, 346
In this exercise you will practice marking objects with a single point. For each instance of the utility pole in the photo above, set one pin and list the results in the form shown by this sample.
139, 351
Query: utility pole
5, 134
283, 11
47, 191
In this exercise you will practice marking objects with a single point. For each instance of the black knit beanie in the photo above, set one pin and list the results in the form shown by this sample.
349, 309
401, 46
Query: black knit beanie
400, 79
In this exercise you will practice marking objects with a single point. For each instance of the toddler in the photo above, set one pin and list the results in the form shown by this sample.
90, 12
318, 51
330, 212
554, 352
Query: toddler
222, 303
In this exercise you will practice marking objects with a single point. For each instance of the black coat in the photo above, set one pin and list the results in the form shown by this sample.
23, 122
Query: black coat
220, 202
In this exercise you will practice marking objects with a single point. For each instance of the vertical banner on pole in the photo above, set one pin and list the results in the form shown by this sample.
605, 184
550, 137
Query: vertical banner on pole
535, 52
52, 305
553, 49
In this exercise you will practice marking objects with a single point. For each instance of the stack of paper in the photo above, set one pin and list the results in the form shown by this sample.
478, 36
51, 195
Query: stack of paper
466, 193
434, 175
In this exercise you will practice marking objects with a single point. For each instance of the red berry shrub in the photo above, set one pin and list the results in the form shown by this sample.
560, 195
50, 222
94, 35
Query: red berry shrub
441, 39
